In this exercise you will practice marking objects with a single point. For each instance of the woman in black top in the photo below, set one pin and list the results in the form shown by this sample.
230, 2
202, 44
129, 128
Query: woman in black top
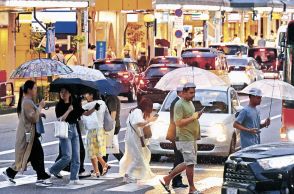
69, 110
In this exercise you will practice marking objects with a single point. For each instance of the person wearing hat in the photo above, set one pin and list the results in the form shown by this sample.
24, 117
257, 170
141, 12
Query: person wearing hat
248, 120
187, 133
171, 135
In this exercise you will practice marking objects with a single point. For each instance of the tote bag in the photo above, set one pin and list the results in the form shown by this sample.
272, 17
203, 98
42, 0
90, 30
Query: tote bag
61, 129
91, 121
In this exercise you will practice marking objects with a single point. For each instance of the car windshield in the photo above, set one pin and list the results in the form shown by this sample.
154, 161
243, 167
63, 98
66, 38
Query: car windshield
111, 67
263, 55
164, 60
158, 71
195, 51
213, 101
207, 63
231, 49
237, 62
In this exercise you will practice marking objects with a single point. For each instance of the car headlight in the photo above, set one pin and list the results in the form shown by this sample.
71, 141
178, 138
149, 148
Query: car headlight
276, 163
218, 131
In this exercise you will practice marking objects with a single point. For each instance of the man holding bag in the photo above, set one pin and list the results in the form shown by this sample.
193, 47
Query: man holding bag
171, 135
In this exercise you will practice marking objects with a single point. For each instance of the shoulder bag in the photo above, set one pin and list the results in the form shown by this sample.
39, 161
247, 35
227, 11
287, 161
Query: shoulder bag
141, 138
108, 121
61, 129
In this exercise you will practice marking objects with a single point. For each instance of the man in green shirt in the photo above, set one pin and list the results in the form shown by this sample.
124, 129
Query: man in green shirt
187, 132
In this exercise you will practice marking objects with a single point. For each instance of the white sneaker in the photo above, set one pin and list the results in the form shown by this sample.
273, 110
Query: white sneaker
7, 178
44, 183
75, 182
84, 174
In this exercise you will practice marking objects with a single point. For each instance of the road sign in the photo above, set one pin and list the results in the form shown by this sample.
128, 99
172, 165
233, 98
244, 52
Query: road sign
178, 12
100, 49
179, 33
50, 40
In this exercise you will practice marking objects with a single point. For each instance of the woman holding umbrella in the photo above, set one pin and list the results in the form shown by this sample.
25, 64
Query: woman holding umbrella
68, 109
28, 147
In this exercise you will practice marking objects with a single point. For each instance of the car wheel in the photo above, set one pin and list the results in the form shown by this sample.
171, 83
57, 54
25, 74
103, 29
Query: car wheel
233, 144
132, 95
155, 157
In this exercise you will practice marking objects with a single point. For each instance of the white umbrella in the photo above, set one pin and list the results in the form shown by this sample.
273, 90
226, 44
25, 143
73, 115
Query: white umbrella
272, 89
200, 77
84, 73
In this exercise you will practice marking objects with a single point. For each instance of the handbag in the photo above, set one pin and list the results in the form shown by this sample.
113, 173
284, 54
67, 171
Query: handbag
91, 121
171, 132
108, 121
61, 129
147, 132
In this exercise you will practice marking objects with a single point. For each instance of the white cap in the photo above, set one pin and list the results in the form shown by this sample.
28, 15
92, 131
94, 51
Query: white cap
255, 92
189, 85
179, 89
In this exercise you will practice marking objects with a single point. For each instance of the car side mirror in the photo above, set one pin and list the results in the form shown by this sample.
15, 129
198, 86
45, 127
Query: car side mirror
156, 106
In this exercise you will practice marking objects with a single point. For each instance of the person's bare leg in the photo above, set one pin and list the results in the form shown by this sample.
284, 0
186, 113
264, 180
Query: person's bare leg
190, 177
101, 161
95, 165
177, 170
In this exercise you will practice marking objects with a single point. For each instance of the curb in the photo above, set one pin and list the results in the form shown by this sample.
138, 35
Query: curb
13, 109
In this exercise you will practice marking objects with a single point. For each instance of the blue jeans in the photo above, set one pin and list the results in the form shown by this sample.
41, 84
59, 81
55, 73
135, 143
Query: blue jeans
70, 150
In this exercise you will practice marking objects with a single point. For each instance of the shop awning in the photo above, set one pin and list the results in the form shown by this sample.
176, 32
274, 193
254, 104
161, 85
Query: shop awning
194, 2
44, 3
254, 3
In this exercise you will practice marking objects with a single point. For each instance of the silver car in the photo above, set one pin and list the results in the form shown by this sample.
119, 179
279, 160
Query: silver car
218, 137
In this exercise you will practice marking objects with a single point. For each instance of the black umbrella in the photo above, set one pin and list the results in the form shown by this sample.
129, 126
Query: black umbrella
74, 85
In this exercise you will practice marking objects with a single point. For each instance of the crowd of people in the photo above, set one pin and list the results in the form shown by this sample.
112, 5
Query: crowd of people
134, 163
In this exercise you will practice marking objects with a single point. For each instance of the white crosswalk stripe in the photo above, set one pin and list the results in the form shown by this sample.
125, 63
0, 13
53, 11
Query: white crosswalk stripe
202, 185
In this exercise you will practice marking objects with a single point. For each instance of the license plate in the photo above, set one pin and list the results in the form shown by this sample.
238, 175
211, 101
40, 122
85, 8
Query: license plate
232, 191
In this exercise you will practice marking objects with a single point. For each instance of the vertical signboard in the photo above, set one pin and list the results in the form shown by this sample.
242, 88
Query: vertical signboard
100, 49
50, 40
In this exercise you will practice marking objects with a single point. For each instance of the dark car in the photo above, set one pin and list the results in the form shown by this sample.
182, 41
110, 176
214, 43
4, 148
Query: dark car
231, 48
165, 60
149, 79
268, 60
124, 71
205, 60
263, 169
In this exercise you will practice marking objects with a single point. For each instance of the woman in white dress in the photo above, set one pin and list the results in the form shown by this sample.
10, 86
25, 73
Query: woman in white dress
134, 165
96, 139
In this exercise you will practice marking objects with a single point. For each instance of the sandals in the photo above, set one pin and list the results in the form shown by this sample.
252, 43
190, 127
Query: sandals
105, 169
95, 174
166, 187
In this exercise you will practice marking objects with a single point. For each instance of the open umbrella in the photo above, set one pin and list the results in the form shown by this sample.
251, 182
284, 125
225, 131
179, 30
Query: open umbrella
38, 68
109, 86
180, 76
272, 89
84, 73
75, 85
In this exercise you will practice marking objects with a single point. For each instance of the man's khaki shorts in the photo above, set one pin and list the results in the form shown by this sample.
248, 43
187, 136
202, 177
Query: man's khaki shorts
189, 151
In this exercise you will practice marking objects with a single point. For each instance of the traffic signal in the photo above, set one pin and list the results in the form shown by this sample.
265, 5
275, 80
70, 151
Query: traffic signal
254, 15
223, 16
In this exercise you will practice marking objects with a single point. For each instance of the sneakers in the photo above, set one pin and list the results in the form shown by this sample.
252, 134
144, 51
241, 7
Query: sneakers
6, 177
75, 182
44, 183
59, 176
84, 174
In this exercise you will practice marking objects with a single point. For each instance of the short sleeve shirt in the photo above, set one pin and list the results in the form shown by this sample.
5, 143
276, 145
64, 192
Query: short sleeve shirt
249, 117
100, 113
113, 104
136, 117
73, 116
191, 132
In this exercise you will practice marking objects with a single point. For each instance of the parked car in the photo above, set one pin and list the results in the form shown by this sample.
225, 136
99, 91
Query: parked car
262, 169
165, 60
205, 60
243, 71
267, 58
231, 49
148, 79
218, 137
124, 71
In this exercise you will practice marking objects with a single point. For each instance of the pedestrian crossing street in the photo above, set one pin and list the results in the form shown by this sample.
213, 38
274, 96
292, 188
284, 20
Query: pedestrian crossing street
117, 187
